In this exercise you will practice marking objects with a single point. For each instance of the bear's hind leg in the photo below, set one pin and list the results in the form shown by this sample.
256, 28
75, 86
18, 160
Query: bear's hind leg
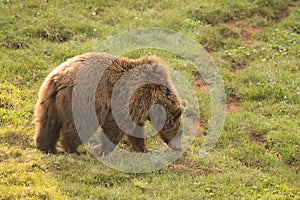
47, 129
70, 140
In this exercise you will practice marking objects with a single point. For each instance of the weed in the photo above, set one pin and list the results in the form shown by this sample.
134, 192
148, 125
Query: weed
255, 44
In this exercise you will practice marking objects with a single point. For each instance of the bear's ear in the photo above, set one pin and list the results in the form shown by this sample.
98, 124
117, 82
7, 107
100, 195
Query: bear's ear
184, 103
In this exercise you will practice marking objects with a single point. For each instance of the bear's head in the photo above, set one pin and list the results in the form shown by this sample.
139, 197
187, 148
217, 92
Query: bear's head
169, 124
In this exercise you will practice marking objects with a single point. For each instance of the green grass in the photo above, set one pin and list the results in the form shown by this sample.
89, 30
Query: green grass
256, 46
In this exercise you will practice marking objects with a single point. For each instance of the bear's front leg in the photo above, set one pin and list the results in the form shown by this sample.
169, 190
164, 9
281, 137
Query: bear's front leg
109, 139
137, 143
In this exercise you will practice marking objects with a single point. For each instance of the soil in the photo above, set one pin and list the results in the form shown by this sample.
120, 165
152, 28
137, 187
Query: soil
232, 107
200, 86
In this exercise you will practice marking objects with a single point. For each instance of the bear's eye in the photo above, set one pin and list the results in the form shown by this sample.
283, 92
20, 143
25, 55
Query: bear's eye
177, 113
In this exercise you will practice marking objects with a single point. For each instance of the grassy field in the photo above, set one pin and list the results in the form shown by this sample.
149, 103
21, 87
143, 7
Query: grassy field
254, 43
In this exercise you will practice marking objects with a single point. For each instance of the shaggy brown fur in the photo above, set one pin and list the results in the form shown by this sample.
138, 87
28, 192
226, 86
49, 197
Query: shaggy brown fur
54, 118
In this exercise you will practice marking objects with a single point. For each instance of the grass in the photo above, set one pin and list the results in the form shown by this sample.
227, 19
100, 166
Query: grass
255, 45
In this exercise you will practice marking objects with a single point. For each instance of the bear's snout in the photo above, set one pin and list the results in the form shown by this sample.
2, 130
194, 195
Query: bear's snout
174, 147
175, 144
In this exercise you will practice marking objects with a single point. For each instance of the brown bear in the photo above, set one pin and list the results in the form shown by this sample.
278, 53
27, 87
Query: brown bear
54, 112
